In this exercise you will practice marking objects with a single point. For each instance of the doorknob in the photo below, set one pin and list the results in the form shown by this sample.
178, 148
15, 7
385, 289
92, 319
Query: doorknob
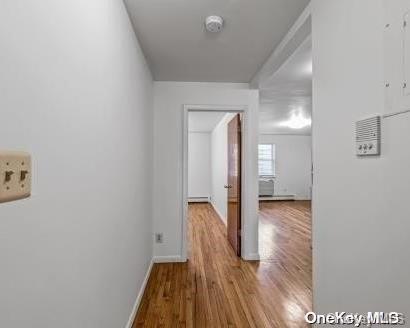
227, 187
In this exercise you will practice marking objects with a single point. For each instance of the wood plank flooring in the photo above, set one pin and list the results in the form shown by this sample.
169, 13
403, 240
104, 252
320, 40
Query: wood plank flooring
217, 289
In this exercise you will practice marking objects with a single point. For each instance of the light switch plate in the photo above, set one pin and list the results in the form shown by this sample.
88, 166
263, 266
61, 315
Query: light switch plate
15, 175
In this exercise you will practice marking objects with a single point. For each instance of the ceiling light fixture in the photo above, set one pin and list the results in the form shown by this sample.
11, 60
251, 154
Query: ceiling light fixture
214, 23
297, 121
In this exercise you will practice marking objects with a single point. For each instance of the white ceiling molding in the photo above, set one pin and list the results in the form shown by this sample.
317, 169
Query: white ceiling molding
296, 36
285, 82
296, 68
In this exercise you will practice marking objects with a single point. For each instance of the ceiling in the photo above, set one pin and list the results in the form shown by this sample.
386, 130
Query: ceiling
204, 121
178, 48
287, 92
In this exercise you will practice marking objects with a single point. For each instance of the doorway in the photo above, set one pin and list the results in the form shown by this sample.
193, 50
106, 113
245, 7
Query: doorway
286, 172
214, 169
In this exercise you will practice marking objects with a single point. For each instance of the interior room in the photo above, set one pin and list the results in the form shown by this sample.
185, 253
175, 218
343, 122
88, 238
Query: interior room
285, 116
207, 159
210, 180
104, 219
286, 174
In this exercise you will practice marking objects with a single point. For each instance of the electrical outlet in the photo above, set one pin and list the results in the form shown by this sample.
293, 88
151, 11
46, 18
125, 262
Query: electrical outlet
159, 238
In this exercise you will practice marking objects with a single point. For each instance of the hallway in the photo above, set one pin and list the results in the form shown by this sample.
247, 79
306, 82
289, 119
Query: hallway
216, 289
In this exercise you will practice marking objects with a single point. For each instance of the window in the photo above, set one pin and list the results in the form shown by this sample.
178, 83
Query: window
266, 160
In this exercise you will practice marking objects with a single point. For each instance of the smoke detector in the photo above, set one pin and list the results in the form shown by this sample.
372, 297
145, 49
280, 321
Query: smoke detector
214, 23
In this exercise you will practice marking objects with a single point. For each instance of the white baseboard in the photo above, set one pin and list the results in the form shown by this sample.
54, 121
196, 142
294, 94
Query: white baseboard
139, 297
223, 219
169, 259
251, 257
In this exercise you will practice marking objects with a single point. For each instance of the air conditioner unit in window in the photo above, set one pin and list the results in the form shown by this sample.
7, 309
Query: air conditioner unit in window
266, 187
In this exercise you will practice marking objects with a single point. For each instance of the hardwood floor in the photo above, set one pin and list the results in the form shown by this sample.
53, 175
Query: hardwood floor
217, 289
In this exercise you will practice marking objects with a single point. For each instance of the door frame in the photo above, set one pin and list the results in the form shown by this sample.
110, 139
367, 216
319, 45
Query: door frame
246, 171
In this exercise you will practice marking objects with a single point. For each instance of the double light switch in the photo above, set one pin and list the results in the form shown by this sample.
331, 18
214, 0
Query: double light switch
15, 175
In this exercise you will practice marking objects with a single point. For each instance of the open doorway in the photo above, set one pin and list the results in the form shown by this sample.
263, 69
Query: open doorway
286, 174
214, 181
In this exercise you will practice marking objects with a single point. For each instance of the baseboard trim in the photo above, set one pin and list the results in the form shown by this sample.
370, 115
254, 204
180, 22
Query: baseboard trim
169, 259
252, 257
219, 213
139, 297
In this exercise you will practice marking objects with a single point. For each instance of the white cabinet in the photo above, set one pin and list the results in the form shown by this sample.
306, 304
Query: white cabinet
406, 53
397, 55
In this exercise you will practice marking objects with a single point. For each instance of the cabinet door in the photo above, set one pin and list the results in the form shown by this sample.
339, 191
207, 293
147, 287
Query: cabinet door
397, 55
406, 54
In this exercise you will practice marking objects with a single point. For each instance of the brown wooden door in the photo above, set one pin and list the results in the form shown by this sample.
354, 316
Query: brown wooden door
234, 184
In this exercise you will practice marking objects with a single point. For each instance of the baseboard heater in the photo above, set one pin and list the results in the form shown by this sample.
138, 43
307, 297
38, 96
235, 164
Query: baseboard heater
199, 199
277, 197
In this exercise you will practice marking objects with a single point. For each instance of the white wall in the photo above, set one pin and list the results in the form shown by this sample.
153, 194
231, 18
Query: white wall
219, 159
168, 148
293, 164
360, 212
76, 93
199, 165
